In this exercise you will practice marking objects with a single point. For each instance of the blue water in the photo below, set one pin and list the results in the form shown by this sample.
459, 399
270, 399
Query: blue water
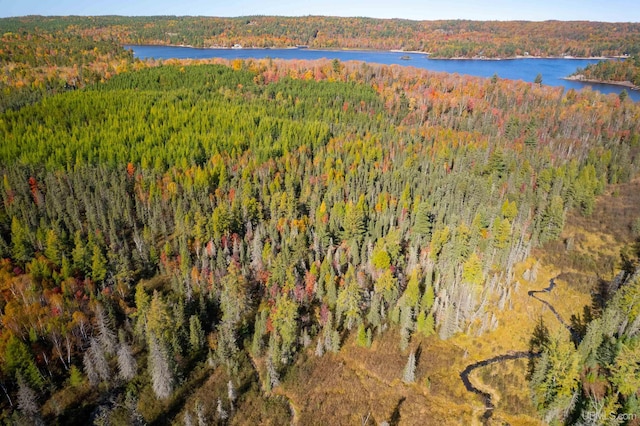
552, 70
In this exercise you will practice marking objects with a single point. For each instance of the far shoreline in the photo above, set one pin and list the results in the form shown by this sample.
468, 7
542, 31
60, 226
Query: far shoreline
361, 49
567, 77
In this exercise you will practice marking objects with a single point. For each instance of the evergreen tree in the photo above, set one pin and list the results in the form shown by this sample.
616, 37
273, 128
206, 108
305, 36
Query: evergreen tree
53, 249
552, 220
425, 324
472, 270
349, 300
98, 265
21, 249
423, 223
555, 379
196, 334
19, 361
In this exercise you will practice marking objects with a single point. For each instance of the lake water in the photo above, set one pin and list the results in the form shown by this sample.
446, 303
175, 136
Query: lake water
552, 70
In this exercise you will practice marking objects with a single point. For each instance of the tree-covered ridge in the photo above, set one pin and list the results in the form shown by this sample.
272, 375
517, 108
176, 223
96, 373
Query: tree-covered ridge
39, 62
232, 216
440, 38
612, 71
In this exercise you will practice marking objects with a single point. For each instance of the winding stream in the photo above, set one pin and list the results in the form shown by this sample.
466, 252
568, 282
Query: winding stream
486, 396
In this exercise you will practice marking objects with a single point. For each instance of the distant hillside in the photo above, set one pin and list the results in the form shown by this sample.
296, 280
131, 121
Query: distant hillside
440, 38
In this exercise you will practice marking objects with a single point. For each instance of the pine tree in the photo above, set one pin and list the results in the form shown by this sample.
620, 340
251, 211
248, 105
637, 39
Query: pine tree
361, 337
196, 334
428, 297
355, 225
412, 292
387, 286
75, 376
21, 249
285, 321
406, 326
626, 371
19, 361
552, 220
259, 330
53, 248
555, 378
349, 299
509, 210
501, 233
472, 270
332, 294
380, 259
538, 80
425, 324
98, 265
79, 253
423, 223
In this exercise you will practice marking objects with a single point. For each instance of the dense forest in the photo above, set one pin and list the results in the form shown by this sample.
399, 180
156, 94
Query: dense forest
444, 39
40, 62
594, 379
613, 71
180, 225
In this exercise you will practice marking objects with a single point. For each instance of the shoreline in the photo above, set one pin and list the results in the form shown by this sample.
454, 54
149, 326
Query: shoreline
581, 78
361, 49
627, 85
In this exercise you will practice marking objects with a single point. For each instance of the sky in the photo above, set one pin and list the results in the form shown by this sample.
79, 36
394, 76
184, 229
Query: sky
540, 10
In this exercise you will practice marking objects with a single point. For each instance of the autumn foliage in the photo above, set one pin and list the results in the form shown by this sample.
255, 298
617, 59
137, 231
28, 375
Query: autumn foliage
220, 219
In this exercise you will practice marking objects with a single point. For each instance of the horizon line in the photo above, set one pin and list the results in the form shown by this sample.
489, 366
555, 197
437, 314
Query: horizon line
314, 16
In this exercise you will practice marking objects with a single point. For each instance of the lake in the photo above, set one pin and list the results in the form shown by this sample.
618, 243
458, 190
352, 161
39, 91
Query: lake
552, 70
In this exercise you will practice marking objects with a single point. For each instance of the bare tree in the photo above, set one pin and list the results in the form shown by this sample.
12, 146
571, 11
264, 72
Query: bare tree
222, 413
409, 374
106, 336
186, 419
231, 392
161, 376
95, 363
28, 401
127, 364
202, 419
